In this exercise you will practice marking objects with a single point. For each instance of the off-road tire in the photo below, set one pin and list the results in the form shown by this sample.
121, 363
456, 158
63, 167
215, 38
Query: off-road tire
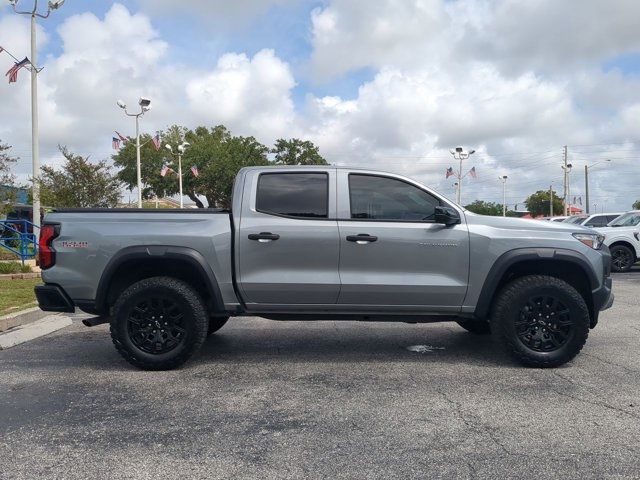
509, 308
194, 322
215, 324
626, 253
477, 327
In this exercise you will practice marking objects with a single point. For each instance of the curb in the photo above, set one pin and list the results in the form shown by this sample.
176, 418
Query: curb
21, 317
19, 276
33, 330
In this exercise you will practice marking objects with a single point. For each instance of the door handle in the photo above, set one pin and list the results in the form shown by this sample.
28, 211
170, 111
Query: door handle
264, 237
361, 238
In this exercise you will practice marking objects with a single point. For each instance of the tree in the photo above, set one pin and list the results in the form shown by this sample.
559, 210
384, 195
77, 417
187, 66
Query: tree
538, 203
485, 208
7, 179
297, 152
79, 184
636, 205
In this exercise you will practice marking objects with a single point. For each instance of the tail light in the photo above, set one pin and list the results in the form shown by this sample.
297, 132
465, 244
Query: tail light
46, 253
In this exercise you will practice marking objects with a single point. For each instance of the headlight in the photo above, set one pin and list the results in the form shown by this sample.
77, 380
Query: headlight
592, 240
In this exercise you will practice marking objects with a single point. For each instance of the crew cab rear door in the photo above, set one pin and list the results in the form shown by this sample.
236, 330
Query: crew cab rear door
391, 250
288, 244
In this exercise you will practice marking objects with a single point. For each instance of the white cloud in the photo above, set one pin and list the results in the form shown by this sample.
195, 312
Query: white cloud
252, 95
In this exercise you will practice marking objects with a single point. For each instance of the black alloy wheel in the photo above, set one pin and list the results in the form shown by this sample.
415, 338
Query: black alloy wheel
155, 325
544, 324
621, 258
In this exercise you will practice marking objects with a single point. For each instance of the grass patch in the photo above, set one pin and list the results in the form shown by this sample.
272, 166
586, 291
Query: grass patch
14, 267
17, 294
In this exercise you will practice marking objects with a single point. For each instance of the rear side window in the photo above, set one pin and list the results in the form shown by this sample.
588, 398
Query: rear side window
384, 198
303, 195
599, 221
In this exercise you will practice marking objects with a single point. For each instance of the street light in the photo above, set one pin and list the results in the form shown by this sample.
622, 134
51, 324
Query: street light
35, 133
459, 153
504, 194
145, 106
567, 191
181, 149
586, 179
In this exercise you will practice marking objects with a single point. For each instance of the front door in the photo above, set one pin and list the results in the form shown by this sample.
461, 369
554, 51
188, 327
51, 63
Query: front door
392, 252
288, 239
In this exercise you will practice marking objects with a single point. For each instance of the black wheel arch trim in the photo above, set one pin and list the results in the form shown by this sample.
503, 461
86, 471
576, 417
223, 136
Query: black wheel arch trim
141, 252
512, 257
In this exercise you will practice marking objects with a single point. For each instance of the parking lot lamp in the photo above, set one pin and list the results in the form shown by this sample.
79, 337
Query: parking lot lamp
586, 180
35, 132
145, 106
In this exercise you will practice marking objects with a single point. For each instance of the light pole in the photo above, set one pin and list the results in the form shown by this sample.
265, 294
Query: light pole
586, 180
503, 179
35, 133
181, 149
566, 168
145, 106
459, 153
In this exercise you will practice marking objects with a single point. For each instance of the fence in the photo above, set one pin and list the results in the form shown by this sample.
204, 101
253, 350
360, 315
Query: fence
19, 237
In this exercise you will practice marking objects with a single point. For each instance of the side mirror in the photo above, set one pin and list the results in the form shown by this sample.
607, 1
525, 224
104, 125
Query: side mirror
447, 216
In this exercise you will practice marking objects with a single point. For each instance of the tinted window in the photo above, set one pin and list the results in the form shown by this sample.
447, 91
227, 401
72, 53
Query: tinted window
294, 194
599, 221
610, 218
383, 198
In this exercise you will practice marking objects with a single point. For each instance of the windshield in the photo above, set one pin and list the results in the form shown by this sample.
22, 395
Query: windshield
630, 219
574, 220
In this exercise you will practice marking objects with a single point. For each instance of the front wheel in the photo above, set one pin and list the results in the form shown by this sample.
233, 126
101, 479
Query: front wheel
159, 323
622, 258
542, 321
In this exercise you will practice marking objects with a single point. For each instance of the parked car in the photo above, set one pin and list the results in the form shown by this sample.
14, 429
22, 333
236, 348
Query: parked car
622, 236
313, 243
597, 220
560, 218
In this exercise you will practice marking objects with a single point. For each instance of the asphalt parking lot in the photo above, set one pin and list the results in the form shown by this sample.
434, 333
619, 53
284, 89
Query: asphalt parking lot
268, 399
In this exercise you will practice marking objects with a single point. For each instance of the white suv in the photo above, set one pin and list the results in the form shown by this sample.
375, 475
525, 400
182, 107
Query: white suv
597, 220
622, 236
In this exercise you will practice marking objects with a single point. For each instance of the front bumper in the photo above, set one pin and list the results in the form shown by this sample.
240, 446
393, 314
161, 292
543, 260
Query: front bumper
52, 298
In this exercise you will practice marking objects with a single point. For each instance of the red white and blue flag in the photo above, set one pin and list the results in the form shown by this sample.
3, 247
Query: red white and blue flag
165, 170
195, 171
12, 73
115, 143
473, 173
122, 137
449, 172
156, 141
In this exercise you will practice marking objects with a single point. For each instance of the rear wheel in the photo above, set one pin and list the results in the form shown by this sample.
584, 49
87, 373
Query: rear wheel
542, 321
479, 327
159, 323
622, 258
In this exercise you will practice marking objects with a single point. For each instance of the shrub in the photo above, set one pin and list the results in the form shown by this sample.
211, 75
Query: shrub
14, 267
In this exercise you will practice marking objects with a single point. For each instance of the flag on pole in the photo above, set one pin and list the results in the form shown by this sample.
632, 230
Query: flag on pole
115, 143
574, 200
12, 73
122, 137
473, 173
449, 172
156, 141
195, 172
165, 170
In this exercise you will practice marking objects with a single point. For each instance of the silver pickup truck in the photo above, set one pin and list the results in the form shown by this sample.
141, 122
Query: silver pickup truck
324, 243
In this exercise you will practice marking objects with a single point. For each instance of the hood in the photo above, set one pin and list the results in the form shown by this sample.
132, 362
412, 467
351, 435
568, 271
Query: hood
526, 224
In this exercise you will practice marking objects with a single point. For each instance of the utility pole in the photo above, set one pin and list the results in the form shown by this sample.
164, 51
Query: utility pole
551, 200
35, 132
504, 194
586, 186
566, 168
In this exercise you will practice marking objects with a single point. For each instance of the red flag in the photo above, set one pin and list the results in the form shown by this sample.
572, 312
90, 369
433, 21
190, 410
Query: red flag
122, 137
12, 73
156, 141
195, 171
165, 170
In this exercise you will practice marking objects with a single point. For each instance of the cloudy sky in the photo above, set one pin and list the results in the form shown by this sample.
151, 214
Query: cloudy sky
391, 84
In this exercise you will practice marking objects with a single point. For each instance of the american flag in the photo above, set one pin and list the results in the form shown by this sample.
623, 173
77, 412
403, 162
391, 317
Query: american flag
165, 170
449, 172
156, 141
13, 71
473, 173
195, 171
115, 143
122, 137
